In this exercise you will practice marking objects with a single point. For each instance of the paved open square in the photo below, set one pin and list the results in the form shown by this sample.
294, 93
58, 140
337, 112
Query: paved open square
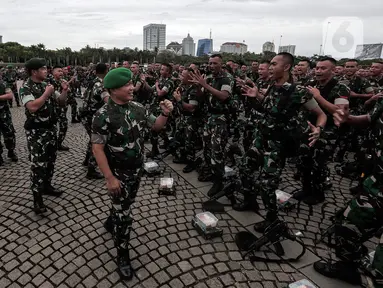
69, 247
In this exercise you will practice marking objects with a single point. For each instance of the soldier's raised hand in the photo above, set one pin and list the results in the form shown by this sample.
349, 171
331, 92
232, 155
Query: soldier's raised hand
340, 116
166, 106
177, 94
49, 89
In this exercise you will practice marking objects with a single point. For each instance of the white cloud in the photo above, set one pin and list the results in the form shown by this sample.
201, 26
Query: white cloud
119, 23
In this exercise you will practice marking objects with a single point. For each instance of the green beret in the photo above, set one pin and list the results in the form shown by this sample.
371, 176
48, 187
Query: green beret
117, 78
35, 63
10, 66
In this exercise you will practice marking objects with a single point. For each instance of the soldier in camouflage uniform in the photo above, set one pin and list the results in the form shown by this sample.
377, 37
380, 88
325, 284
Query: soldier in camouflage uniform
95, 97
361, 91
218, 89
41, 109
376, 77
275, 131
10, 77
363, 214
6, 126
71, 99
163, 89
118, 146
253, 106
303, 72
57, 81
312, 162
189, 121
140, 95
253, 75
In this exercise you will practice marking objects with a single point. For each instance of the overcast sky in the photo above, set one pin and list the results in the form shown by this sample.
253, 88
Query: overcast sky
119, 23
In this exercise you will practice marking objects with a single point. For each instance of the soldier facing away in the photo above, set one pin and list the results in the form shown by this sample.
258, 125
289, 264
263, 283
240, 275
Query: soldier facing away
118, 145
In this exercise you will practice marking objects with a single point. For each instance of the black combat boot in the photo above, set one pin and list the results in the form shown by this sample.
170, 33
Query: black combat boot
316, 197
154, 153
217, 187
1, 161
108, 224
249, 202
356, 189
93, 174
189, 167
260, 227
75, 120
179, 160
307, 189
51, 191
345, 271
12, 155
166, 143
38, 204
124, 266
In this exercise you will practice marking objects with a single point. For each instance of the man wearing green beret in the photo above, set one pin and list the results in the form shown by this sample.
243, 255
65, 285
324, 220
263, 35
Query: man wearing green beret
41, 109
10, 77
6, 125
118, 145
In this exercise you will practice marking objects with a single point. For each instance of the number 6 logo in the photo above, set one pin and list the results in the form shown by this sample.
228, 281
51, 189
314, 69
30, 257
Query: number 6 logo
341, 35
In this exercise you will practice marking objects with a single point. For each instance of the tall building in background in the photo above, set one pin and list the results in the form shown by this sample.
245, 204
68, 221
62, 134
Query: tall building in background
188, 46
154, 36
1, 39
234, 47
268, 47
288, 48
205, 46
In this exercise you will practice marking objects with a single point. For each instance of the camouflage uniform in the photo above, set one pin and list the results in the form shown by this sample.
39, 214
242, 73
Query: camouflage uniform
71, 101
167, 85
253, 76
6, 126
377, 84
41, 131
120, 128
93, 101
278, 127
142, 95
254, 107
215, 132
62, 113
187, 124
364, 213
312, 161
10, 78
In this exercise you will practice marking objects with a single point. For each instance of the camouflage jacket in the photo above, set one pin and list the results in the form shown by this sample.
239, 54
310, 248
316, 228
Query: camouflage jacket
10, 76
222, 82
167, 85
360, 86
376, 116
253, 103
302, 80
4, 89
120, 128
377, 84
253, 76
281, 111
331, 91
189, 95
44, 118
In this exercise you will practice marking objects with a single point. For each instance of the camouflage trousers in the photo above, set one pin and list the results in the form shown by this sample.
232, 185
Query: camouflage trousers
87, 123
15, 96
363, 215
312, 162
261, 169
186, 135
215, 136
7, 130
248, 136
42, 146
122, 206
63, 124
73, 105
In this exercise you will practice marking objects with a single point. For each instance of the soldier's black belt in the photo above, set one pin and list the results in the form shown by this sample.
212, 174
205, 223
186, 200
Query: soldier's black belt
29, 125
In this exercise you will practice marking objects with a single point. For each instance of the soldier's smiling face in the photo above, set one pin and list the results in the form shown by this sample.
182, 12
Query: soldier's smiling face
124, 93
376, 69
324, 70
350, 68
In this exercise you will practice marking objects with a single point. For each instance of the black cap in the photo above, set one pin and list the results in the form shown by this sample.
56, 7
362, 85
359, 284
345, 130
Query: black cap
35, 63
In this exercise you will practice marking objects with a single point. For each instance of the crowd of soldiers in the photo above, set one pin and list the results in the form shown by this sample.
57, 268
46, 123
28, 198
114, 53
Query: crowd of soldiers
280, 111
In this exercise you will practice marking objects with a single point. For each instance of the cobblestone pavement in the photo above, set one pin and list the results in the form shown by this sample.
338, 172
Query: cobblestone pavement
69, 247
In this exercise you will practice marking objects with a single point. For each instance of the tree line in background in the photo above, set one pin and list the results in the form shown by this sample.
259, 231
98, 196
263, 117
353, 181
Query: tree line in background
13, 52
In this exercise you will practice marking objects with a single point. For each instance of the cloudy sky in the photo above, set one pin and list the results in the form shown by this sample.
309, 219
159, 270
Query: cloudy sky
119, 23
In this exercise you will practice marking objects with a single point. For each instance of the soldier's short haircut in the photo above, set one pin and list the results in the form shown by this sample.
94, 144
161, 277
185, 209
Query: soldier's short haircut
287, 57
306, 60
170, 68
265, 62
219, 56
135, 62
352, 60
378, 62
56, 67
332, 60
101, 68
